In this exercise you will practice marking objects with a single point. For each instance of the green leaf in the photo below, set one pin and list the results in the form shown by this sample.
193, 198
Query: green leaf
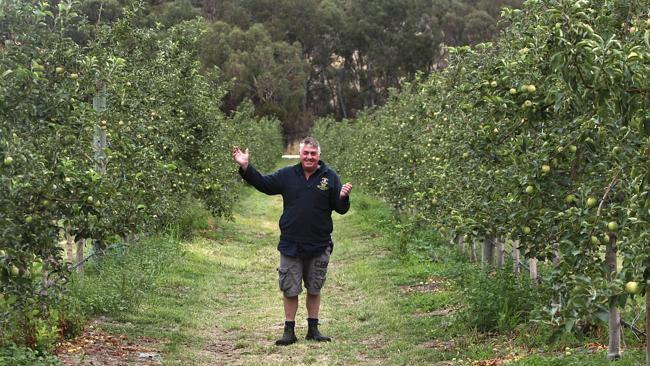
603, 316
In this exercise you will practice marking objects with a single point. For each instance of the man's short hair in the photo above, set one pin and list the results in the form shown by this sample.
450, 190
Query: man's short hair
311, 142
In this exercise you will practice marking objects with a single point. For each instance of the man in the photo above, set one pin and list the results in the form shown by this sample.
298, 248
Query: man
310, 191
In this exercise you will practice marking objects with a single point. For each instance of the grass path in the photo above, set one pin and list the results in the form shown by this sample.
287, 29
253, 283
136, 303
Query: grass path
218, 304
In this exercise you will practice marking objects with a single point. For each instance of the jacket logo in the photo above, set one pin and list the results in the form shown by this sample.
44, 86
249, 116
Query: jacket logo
323, 184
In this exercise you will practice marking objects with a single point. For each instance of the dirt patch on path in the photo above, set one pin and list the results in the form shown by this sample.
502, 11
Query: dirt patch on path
96, 347
222, 350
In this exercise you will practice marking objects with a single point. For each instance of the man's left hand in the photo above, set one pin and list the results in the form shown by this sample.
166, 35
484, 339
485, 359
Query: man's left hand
345, 190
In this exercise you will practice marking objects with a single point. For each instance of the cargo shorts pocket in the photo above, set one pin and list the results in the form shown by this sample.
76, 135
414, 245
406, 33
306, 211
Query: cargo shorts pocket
283, 279
287, 282
317, 274
316, 281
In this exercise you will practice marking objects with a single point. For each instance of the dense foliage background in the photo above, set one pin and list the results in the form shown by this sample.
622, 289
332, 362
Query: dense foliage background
300, 59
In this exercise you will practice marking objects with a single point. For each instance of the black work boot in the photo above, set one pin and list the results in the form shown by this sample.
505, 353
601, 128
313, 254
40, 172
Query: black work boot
313, 333
289, 336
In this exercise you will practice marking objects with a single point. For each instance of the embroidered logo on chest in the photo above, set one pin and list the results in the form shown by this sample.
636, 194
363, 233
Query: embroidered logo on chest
323, 186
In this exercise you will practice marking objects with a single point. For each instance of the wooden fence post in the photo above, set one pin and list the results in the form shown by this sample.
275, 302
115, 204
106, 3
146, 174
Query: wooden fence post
488, 251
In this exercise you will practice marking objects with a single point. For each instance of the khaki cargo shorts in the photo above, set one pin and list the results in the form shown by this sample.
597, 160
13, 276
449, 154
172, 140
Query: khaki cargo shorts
293, 271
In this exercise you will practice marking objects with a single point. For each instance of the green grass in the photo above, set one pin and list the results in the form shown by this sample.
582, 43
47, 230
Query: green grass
217, 301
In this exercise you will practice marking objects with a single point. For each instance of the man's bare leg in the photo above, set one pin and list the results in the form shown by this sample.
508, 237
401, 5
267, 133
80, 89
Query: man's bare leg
290, 309
313, 308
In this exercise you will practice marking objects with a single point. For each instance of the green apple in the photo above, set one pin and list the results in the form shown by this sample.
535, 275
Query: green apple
28, 219
8, 160
595, 240
612, 226
59, 69
546, 168
3, 253
632, 287
74, 76
89, 199
573, 148
493, 84
513, 91
570, 198
591, 202
530, 189
526, 230
14, 271
531, 88
528, 104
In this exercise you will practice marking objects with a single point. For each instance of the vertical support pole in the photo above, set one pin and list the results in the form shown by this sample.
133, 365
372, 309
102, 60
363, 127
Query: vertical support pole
99, 138
533, 270
69, 245
99, 144
80, 254
614, 348
472, 251
516, 257
647, 325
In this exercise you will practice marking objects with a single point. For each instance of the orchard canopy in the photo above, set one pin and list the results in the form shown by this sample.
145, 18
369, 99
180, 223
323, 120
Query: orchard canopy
102, 140
542, 137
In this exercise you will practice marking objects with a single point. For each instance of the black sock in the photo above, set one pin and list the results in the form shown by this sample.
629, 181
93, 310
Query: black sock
290, 324
312, 321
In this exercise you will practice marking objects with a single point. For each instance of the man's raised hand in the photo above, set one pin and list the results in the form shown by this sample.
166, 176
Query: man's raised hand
345, 190
240, 157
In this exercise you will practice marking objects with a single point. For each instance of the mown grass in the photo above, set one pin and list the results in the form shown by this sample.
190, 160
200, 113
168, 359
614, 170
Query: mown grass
216, 301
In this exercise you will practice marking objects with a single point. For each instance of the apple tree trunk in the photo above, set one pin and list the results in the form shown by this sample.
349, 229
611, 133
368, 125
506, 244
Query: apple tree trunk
556, 254
488, 251
460, 239
501, 253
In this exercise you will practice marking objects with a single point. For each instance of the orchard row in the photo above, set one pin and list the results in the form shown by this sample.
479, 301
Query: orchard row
542, 137
101, 141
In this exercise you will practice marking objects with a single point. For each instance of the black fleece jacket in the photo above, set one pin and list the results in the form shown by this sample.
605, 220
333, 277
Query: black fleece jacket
307, 204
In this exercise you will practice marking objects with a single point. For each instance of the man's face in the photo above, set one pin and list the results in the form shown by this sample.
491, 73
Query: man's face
309, 158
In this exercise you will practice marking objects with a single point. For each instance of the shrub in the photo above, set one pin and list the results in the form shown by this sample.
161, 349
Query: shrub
496, 300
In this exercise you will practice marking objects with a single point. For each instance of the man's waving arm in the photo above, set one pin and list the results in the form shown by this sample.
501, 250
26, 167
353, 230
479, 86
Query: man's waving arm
269, 184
